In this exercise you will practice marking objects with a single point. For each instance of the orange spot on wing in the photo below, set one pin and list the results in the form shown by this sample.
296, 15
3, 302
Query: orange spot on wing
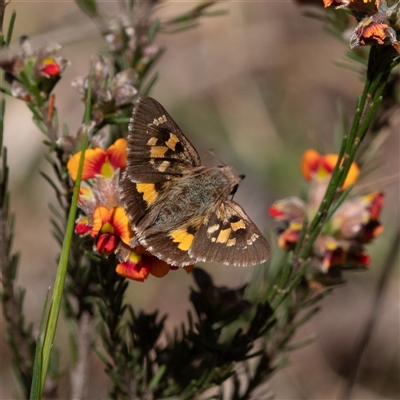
184, 239
158, 151
149, 192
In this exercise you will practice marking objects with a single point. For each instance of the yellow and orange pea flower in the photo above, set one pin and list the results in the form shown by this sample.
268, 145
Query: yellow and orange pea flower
374, 29
112, 233
49, 67
359, 5
40, 67
109, 227
318, 167
354, 224
99, 161
107, 223
378, 25
139, 264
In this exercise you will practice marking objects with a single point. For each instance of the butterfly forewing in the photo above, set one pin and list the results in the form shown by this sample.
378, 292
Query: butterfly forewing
157, 149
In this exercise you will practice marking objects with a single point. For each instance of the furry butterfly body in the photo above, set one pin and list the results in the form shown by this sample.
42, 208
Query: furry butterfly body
180, 210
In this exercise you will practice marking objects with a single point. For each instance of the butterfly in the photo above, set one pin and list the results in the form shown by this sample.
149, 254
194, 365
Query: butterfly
180, 210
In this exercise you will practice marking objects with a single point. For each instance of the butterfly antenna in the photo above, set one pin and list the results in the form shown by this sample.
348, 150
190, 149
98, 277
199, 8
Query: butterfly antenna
211, 152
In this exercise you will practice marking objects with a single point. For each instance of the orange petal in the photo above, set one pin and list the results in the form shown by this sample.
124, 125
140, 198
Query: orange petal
313, 164
94, 159
309, 163
157, 267
132, 268
101, 216
329, 162
120, 222
117, 154
352, 176
373, 31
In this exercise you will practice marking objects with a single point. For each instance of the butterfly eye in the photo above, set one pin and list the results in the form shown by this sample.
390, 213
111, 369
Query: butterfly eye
242, 177
234, 189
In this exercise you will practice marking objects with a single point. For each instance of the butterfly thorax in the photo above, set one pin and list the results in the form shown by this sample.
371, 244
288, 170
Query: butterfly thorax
195, 194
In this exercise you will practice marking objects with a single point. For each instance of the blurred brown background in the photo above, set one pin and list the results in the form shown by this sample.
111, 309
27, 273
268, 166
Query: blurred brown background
258, 86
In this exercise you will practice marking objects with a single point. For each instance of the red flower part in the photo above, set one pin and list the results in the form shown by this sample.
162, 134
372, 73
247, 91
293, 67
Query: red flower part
289, 209
370, 231
356, 257
289, 237
106, 243
110, 226
275, 212
353, 219
133, 269
50, 68
83, 226
139, 264
362, 259
377, 199
113, 221
332, 257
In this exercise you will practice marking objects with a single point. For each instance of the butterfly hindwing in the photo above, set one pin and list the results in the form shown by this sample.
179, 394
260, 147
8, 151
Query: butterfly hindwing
228, 236
171, 243
158, 151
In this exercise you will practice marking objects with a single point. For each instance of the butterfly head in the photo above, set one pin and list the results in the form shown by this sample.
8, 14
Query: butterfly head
233, 178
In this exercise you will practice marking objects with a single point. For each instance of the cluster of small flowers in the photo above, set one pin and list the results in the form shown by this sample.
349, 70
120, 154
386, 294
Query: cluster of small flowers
109, 94
104, 219
354, 224
377, 22
32, 71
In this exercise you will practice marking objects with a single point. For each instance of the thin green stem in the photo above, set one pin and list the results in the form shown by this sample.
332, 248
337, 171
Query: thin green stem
64, 257
61, 273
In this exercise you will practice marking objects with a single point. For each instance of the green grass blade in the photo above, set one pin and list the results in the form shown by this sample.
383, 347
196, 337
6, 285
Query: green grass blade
11, 28
2, 110
36, 390
61, 274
